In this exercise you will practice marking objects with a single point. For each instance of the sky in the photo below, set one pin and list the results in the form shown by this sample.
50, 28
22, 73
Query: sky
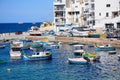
12, 11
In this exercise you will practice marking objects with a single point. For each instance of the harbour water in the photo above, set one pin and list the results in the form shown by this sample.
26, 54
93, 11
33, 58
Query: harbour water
58, 68
15, 27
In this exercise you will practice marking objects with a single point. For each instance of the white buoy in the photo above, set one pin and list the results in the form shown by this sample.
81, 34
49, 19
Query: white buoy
8, 70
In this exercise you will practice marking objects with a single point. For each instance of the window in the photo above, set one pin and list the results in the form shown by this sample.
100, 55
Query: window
107, 5
99, 14
92, 0
58, 0
73, 1
107, 14
86, 4
92, 6
37, 53
76, 6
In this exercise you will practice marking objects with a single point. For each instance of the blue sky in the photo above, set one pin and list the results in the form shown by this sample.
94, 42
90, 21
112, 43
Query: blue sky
26, 11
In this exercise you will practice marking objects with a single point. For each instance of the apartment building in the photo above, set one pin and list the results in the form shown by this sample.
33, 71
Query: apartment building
59, 13
90, 13
67, 12
73, 12
107, 15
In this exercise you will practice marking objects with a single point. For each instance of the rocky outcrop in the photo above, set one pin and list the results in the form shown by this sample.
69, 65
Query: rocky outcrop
47, 26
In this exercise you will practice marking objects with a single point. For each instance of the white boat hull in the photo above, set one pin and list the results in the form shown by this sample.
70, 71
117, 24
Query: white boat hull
37, 57
15, 54
77, 61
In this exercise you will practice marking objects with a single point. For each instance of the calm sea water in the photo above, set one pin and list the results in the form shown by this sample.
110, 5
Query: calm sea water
58, 68
15, 27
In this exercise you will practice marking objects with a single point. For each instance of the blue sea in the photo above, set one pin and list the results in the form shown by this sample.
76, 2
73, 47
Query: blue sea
15, 27
58, 68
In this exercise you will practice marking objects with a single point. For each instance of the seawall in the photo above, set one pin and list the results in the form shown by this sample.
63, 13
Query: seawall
113, 42
25, 35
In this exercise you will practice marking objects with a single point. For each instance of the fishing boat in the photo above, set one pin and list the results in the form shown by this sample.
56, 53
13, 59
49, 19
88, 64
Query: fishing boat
36, 52
105, 48
3, 61
42, 55
78, 49
15, 49
15, 53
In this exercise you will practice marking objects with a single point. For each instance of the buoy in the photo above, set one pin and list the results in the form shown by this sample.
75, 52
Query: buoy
8, 69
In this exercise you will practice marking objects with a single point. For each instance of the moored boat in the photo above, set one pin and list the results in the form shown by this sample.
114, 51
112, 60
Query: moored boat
105, 48
15, 53
77, 61
78, 52
78, 49
85, 59
15, 49
2, 46
45, 55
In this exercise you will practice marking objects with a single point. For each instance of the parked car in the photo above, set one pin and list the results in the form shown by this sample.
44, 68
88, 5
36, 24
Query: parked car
79, 31
63, 33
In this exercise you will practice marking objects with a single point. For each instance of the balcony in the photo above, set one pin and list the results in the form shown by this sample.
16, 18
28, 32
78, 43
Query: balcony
59, 17
59, 2
59, 9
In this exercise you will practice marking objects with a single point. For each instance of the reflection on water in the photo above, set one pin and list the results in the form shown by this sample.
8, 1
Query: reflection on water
59, 69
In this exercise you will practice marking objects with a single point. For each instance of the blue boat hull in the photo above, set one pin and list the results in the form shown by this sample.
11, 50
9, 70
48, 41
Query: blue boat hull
105, 49
82, 63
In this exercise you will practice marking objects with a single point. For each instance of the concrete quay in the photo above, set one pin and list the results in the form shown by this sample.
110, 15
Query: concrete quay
25, 35
113, 42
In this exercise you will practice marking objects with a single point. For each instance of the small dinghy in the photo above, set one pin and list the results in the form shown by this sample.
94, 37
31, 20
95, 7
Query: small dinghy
85, 59
77, 61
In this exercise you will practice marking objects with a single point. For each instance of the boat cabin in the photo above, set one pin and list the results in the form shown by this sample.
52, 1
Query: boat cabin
78, 47
40, 53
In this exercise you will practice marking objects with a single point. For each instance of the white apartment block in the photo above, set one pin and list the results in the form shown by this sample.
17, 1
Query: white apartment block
67, 12
73, 12
91, 13
59, 13
107, 13
102, 13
